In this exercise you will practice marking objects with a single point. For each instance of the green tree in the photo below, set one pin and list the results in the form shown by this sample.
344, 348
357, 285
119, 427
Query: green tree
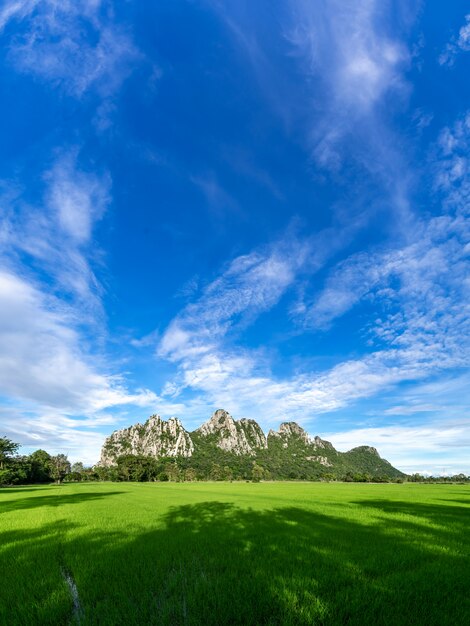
40, 471
7, 450
215, 472
190, 474
59, 467
78, 467
257, 473
133, 467
227, 473
172, 471
6, 476
20, 468
106, 473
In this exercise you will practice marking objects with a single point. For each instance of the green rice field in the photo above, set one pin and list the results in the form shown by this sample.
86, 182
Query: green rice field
235, 553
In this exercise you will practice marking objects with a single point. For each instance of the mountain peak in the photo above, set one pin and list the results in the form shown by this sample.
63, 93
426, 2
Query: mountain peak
218, 421
291, 429
369, 449
239, 437
154, 438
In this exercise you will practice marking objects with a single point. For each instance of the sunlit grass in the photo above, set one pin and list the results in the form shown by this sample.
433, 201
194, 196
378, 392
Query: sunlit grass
221, 553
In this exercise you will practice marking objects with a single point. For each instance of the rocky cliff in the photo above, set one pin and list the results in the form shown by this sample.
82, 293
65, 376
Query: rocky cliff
155, 438
239, 437
291, 430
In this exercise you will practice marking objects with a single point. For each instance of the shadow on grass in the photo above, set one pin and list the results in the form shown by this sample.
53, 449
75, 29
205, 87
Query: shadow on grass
214, 564
7, 490
58, 498
442, 514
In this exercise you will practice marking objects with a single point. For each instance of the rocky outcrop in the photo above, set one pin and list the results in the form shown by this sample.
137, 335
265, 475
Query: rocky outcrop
323, 460
292, 429
155, 438
287, 430
239, 437
322, 443
254, 433
369, 449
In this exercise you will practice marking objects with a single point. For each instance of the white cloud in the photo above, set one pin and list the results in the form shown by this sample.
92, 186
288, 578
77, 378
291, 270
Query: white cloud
74, 44
15, 10
356, 64
79, 439
79, 199
424, 279
424, 449
43, 359
419, 290
54, 373
251, 285
456, 45
452, 166
58, 232
350, 65
363, 62
197, 341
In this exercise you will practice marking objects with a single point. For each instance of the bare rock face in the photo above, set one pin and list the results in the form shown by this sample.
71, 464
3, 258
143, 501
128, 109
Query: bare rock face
323, 460
239, 437
155, 438
254, 433
322, 443
288, 430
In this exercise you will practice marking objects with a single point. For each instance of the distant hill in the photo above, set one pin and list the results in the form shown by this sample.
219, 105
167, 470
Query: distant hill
240, 448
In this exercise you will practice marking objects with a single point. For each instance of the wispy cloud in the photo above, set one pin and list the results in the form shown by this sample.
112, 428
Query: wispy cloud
219, 200
251, 285
452, 166
52, 322
57, 232
417, 288
356, 63
350, 62
365, 61
73, 44
423, 448
45, 366
198, 342
350, 66
77, 198
457, 44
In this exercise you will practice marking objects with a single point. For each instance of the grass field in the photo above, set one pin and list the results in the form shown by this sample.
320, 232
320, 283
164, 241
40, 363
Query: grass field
235, 553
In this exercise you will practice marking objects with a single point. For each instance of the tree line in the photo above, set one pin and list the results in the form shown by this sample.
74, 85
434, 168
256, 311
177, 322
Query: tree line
37, 467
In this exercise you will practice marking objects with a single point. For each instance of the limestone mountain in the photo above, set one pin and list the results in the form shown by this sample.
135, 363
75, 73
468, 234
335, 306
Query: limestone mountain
236, 445
287, 430
155, 438
243, 436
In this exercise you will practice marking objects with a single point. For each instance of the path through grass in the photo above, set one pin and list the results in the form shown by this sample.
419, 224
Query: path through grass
221, 553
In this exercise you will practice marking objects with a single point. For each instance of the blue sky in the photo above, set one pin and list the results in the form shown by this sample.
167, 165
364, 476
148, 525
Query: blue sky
261, 206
